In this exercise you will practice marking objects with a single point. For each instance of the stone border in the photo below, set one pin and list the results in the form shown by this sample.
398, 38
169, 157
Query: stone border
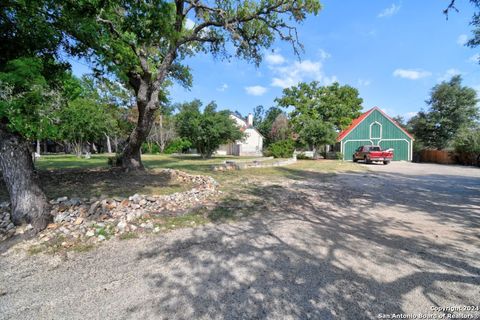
78, 219
234, 165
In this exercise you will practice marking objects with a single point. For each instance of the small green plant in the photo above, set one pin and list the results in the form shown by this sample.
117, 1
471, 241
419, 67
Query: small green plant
35, 249
281, 149
338, 155
128, 236
103, 232
81, 247
178, 145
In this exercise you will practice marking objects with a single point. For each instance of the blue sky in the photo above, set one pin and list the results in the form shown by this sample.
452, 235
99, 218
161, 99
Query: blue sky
392, 52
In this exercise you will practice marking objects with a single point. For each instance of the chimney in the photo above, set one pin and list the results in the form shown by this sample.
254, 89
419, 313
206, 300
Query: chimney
250, 120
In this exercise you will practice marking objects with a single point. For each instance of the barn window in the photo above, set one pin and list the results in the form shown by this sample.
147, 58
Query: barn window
375, 130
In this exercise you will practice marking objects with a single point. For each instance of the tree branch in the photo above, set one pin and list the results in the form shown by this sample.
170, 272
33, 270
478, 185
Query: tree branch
114, 31
450, 7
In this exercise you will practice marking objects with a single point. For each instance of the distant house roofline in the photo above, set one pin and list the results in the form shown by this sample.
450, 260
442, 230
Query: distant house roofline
246, 123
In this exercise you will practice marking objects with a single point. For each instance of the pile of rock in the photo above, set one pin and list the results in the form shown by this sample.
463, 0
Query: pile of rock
257, 163
100, 218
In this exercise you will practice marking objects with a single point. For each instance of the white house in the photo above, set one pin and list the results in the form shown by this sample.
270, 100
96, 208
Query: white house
251, 145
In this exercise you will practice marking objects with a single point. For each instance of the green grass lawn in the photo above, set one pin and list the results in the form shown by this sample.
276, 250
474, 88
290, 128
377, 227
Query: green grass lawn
67, 175
192, 164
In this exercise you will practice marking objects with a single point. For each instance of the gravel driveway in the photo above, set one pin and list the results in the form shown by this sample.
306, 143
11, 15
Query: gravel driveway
402, 238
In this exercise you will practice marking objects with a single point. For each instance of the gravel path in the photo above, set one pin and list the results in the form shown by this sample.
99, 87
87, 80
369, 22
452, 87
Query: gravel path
403, 238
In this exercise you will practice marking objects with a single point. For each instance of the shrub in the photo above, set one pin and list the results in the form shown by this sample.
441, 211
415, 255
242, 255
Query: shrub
178, 145
150, 148
281, 149
467, 146
338, 155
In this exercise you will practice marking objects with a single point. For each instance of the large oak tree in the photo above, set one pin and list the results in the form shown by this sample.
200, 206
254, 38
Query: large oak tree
144, 43
319, 111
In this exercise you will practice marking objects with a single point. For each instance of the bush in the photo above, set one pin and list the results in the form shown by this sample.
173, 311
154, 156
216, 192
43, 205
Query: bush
338, 155
467, 146
281, 149
178, 145
150, 148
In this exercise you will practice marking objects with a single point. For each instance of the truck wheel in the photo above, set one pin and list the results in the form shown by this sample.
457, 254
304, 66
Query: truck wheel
354, 159
366, 160
386, 162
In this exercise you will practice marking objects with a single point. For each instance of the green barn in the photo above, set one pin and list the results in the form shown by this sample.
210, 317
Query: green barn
375, 127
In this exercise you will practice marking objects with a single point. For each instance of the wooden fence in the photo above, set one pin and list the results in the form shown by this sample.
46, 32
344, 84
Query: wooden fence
437, 156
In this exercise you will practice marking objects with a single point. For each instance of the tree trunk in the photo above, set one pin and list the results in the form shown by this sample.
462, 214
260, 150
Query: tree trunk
131, 155
77, 147
38, 147
162, 135
109, 145
315, 153
29, 203
147, 89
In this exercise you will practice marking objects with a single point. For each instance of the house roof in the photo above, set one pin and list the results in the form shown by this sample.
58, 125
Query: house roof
362, 117
233, 114
246, 126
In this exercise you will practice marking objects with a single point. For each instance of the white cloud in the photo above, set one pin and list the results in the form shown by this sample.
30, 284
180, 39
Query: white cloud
390, 11
462, 39
474, 58
274, 58
449, 74
324, 55
411, 74
364, 82
289, 75
255, 90
223, 87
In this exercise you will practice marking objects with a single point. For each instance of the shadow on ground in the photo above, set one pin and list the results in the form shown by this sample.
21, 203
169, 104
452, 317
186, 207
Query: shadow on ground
86, 183
348, 246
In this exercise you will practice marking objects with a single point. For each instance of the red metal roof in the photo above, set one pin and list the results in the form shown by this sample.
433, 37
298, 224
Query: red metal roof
357, 121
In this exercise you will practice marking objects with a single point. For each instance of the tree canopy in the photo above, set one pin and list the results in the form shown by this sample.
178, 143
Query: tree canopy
208, 130
144, 44
334, 104
263, 122
319, 111
452, 107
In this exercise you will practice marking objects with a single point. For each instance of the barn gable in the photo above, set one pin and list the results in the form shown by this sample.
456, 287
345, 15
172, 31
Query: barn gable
374, 127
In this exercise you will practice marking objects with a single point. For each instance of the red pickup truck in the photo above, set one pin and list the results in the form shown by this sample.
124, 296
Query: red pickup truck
373, 153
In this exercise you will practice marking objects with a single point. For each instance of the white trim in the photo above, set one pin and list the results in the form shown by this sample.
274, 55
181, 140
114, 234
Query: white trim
381, 128
411, 151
